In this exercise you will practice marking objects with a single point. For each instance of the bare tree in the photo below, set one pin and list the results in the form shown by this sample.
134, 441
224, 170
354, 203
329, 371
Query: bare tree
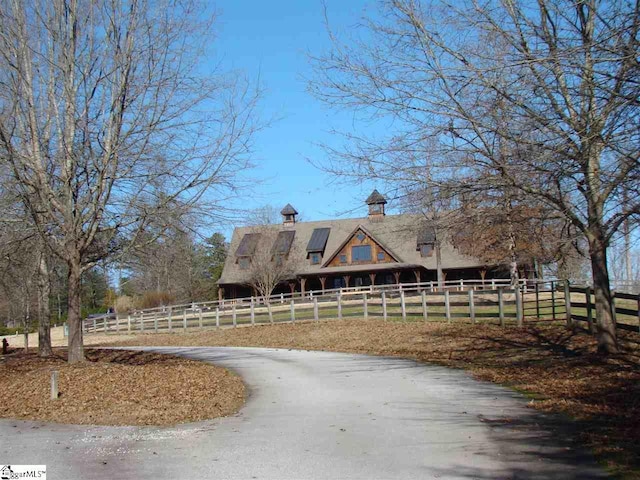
106, 117
272, 262
541, 100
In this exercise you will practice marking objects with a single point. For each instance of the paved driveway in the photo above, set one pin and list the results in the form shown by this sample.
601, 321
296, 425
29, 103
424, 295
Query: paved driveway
321, 415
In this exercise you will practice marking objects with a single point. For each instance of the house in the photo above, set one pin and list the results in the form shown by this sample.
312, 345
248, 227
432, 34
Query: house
378, 249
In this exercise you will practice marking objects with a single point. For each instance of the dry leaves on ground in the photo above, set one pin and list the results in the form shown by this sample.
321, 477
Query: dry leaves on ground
117, 388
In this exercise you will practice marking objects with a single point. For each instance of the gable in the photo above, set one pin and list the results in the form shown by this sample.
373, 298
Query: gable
359, 248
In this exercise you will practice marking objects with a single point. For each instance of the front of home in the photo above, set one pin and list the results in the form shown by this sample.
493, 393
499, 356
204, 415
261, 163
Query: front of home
375, 250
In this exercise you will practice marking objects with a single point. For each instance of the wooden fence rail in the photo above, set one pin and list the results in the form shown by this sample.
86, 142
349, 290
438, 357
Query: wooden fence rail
413, 302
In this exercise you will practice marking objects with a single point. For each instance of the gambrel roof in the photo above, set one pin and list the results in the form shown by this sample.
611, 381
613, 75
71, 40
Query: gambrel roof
398, 233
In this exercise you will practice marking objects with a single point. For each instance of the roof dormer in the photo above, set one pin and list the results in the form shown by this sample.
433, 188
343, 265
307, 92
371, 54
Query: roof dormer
376, 204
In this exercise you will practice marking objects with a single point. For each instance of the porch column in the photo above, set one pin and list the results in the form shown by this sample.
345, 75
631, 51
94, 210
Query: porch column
220, 294
303, 282
346, 280
372, 277
483, 274
416, 273
292, 287
396, 274
322, 282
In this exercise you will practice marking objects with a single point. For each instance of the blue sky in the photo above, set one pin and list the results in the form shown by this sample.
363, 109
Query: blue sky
271, 40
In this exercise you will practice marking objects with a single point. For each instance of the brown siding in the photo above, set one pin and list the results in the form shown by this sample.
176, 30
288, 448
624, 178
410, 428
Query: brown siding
353, 241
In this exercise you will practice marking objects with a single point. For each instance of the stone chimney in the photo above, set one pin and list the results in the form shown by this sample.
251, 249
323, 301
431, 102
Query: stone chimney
376, 204
288, 215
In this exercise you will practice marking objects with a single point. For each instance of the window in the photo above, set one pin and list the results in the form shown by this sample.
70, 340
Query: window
375, 208
243, 262
361, 253
343, 259
380, 256
315, 258
426, 250
360, 236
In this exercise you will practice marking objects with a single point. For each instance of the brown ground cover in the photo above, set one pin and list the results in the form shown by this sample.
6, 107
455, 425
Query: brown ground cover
117, 388
558, 369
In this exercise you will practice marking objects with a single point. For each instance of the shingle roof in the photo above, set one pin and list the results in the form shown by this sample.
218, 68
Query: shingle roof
375, 197
288, 210
399, 233
318, 240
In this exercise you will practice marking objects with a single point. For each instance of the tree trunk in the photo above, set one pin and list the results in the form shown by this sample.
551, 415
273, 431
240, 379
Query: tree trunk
606, 326
439, 272
76, 347
44, 313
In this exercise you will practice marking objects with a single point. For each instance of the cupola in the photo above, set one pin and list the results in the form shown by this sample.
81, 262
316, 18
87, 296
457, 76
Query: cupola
376, 204
288, 215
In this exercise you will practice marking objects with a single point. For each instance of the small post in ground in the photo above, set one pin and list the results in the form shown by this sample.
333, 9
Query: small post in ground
403, 305
233, 315
293, 311
501, 307
217, 317
54, 385
253, 313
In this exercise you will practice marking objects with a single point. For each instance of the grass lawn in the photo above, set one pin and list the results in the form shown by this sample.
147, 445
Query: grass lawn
558, 369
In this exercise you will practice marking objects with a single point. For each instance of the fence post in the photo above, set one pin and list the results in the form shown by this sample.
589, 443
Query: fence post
493, 284
424, 305
567, 302
461, 284
537, 286
519, 312
447, 305
155, 323
553, 300
253, 314
431, 286
170, 318
184, 320
472, 307
95, 326
384, 305
639, 313
339, 299
282, 298
587, 296
364, 306
315, 309
233, 314
403, 305
501, 307
129, 324
141, 321
117, 323
217, 317
200, 317
293, 311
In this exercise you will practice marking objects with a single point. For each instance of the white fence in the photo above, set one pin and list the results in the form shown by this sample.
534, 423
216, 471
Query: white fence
474, 300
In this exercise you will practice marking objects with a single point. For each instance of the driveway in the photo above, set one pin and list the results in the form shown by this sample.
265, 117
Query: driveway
321, 415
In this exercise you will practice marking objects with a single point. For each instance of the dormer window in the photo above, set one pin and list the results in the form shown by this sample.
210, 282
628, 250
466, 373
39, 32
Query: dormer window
426, 250
244, 262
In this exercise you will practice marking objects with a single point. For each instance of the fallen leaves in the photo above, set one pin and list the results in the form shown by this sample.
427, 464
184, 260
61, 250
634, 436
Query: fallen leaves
118, 388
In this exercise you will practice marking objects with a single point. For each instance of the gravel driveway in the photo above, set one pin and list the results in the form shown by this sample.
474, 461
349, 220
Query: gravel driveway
321, 415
